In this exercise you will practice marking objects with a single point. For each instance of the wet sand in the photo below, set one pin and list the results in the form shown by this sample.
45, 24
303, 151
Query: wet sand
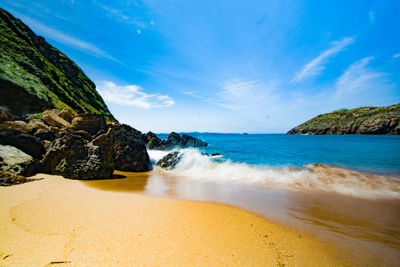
366, 230
57, 221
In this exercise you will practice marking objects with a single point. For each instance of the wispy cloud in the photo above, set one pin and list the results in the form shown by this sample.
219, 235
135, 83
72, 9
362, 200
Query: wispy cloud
315, 66
120, 15
359, 79
61, 37
132, 95
396, 55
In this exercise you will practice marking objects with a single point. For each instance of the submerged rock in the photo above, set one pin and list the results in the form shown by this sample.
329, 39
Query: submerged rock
74, 157
29, 144
15, 161
130, 152
170, 160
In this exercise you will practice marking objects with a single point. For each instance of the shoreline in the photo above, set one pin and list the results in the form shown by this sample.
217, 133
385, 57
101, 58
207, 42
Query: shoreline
61, 221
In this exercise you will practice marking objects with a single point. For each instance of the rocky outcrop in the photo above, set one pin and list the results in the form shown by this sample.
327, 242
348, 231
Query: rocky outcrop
74, 157
91, 123
364, 120
67, 114
130, 152
35, 76
29, 144
170, 160
15, 161
175, 141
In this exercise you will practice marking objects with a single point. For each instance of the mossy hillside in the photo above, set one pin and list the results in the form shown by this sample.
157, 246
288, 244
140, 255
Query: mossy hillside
35, 76
353, 121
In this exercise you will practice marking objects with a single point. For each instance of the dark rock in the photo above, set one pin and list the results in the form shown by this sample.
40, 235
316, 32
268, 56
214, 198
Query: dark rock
130, 152
91, 123
175, 141
29, 144
73, 157
8, 179
147, 137
45, 134
170, 160
5, 115
18, 125
83, 134
15, 161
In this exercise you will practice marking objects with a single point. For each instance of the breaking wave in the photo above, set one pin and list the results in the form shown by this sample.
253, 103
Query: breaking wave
194, 165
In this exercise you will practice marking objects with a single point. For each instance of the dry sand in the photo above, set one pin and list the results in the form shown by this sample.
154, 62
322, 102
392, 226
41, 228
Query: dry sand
57, 221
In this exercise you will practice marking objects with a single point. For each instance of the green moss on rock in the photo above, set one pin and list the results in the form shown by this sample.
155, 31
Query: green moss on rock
35, 76
363, 120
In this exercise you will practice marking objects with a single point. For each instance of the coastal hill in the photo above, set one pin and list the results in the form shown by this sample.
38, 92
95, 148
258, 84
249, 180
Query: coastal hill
35, 76
362, 120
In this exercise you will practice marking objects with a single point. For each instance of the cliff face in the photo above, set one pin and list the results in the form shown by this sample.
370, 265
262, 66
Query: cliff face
35, 76
363, 120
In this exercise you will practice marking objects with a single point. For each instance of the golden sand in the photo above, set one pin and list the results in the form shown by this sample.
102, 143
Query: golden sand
57, 221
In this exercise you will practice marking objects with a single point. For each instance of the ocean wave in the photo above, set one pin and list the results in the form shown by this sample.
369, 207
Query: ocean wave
194, 165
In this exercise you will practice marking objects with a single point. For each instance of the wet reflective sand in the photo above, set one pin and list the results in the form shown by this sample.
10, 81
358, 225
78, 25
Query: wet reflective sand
366, 229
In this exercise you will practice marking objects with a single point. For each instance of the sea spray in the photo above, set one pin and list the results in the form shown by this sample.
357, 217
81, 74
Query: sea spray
196, 166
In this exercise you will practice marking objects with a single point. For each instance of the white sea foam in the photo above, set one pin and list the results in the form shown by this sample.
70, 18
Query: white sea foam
196, 166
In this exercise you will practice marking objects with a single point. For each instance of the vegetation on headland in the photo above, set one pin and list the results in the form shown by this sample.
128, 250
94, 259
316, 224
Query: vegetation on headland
35, 76
362, 120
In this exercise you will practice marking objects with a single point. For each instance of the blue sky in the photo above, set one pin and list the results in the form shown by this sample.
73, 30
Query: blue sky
226, 66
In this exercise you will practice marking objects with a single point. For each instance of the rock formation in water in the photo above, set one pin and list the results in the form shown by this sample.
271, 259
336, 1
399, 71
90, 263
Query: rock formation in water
174, 141
35, 76
363, 120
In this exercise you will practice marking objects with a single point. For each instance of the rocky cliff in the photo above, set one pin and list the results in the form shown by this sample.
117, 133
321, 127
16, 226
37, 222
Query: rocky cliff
35, 76
363, 120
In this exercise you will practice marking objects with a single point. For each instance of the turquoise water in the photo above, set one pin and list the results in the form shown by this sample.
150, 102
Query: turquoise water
368, 153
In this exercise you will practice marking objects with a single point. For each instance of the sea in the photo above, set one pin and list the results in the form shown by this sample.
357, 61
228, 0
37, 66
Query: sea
342, 189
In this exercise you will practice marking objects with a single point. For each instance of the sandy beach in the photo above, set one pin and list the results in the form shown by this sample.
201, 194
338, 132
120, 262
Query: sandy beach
57, 221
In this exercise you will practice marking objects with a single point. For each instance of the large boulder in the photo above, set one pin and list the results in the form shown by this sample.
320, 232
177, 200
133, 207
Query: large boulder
51, 117
74, 157
15, 161
91, 123
29, 144
130, 152
170, 160
190, 141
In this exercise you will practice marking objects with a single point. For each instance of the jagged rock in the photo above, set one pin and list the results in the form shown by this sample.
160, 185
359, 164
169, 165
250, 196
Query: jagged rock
67, 114
170, 160
85, 135
363, 120
175, 141
5, 115
73, 157
45, 134
8, 179
15, 161
29, 144
130, 153
91, 123
147, 137
51, 117
36, 124
18, 125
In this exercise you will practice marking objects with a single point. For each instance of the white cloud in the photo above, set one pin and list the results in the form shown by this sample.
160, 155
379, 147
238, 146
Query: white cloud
120, 15
371, 16
396, 55
359, 79
132, 95
138, 31
315, 66
61, 37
